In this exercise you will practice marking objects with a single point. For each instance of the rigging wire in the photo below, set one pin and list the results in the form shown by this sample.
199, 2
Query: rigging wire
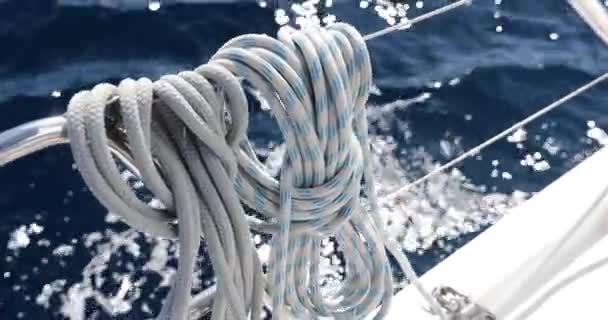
475, 150
407, 23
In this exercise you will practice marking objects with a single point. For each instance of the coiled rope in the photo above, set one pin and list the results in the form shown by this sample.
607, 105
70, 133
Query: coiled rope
187, 137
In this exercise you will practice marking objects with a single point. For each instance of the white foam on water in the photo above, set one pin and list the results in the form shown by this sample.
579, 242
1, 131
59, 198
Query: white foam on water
397, 105
520, 135
600, 136
445, 207
20, 238
112, 265
536, 161
64, 250
154, 5
454, 82
391, 11
49, 289
551, 146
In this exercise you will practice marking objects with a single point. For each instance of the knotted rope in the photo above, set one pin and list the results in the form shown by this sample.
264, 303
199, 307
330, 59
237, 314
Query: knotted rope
187, 137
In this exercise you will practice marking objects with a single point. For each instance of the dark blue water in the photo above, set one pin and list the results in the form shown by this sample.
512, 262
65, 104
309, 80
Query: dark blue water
477, 81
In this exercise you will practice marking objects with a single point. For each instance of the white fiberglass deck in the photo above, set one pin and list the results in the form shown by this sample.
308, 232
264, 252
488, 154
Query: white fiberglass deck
491, 269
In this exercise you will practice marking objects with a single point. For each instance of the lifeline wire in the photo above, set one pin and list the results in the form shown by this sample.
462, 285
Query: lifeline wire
475, 150
317, 83
408, 23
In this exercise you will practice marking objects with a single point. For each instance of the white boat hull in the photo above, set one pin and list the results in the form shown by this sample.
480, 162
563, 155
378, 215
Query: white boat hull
506, 269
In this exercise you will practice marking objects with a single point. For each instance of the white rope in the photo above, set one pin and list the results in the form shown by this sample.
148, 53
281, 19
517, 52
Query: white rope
317, 82
197, 193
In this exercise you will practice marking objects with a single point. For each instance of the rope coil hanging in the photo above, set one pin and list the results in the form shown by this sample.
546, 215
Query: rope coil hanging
187, 138
316, 82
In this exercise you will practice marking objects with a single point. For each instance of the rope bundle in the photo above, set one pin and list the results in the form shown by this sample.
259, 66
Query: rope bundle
187, 137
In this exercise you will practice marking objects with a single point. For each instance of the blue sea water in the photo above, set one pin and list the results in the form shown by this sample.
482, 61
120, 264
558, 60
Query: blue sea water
443, 86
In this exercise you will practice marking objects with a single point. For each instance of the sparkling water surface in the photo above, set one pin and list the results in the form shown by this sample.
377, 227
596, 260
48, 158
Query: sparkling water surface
441, 87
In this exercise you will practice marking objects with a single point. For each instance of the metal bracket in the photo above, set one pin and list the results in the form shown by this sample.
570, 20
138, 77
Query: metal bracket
457, 306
